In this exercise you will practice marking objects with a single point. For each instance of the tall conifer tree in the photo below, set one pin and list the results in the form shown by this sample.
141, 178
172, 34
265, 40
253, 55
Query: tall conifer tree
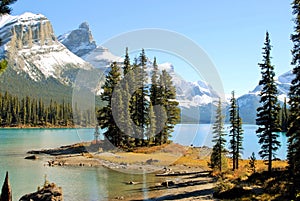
267, 113
239, 137
233, 130
293, 132
106, 119
219, 150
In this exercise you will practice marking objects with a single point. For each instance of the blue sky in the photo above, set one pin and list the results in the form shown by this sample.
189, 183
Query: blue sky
231, 32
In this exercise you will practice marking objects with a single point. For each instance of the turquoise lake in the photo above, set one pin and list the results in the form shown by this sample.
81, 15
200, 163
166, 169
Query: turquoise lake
88, 183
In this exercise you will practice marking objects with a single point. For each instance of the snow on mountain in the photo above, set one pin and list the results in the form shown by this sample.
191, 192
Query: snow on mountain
101, 58
250, 101
79, 41
30, 46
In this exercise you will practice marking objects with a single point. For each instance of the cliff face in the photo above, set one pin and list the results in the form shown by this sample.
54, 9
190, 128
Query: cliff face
79, 41
30, 46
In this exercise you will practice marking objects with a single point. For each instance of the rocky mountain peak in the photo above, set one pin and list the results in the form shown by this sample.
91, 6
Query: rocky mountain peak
79, 41
32, 49
84, 25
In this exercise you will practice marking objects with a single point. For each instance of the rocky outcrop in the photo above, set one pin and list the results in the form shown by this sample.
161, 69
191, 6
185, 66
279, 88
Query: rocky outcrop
6, 194
49, 192
79, 41
63, 150
31, 48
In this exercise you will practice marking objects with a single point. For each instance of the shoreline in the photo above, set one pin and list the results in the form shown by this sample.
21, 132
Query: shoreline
177, 178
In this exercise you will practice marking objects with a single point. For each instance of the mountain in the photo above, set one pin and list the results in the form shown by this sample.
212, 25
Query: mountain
195, 98
36, 59
250, 101
80, 41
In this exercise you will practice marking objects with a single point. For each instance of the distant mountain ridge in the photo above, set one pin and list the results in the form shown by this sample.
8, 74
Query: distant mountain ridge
41, 65
250, 101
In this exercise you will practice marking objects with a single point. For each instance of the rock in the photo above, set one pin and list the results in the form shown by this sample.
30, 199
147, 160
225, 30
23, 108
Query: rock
50, 192
31, 157
6, 194
79, 41
132, 183
150, 161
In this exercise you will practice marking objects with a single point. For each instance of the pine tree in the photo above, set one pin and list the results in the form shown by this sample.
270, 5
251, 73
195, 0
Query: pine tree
252, 162
239, 137
106, 119
152, 126
118, 115
170, 104
127, 84
156, 99
219, 150
4, 6
140, 104
267, 113
127, 66
233, 130
293, 132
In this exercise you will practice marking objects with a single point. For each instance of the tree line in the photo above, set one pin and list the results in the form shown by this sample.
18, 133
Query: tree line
141, 108
31, 112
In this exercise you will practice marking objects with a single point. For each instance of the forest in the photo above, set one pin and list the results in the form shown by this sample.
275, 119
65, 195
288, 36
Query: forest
30, 112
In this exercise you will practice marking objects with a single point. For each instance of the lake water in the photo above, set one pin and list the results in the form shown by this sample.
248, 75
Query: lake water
84, 183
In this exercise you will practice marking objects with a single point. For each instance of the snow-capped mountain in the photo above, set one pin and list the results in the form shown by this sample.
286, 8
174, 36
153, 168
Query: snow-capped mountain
80, 41
250, 101
30, 46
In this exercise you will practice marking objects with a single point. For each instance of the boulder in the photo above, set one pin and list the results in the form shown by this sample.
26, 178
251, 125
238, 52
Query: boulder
31, 157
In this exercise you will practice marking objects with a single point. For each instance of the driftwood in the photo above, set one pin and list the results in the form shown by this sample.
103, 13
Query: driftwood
181, 173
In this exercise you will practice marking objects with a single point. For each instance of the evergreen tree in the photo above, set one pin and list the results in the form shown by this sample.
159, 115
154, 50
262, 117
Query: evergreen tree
118, 115
157, 102
239, 137
127, 66
252, 162
293, 132
4, 6
127, 84
152, 126
139, 111
219, 150
267, 113
233, 130
106, 119
170, 104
